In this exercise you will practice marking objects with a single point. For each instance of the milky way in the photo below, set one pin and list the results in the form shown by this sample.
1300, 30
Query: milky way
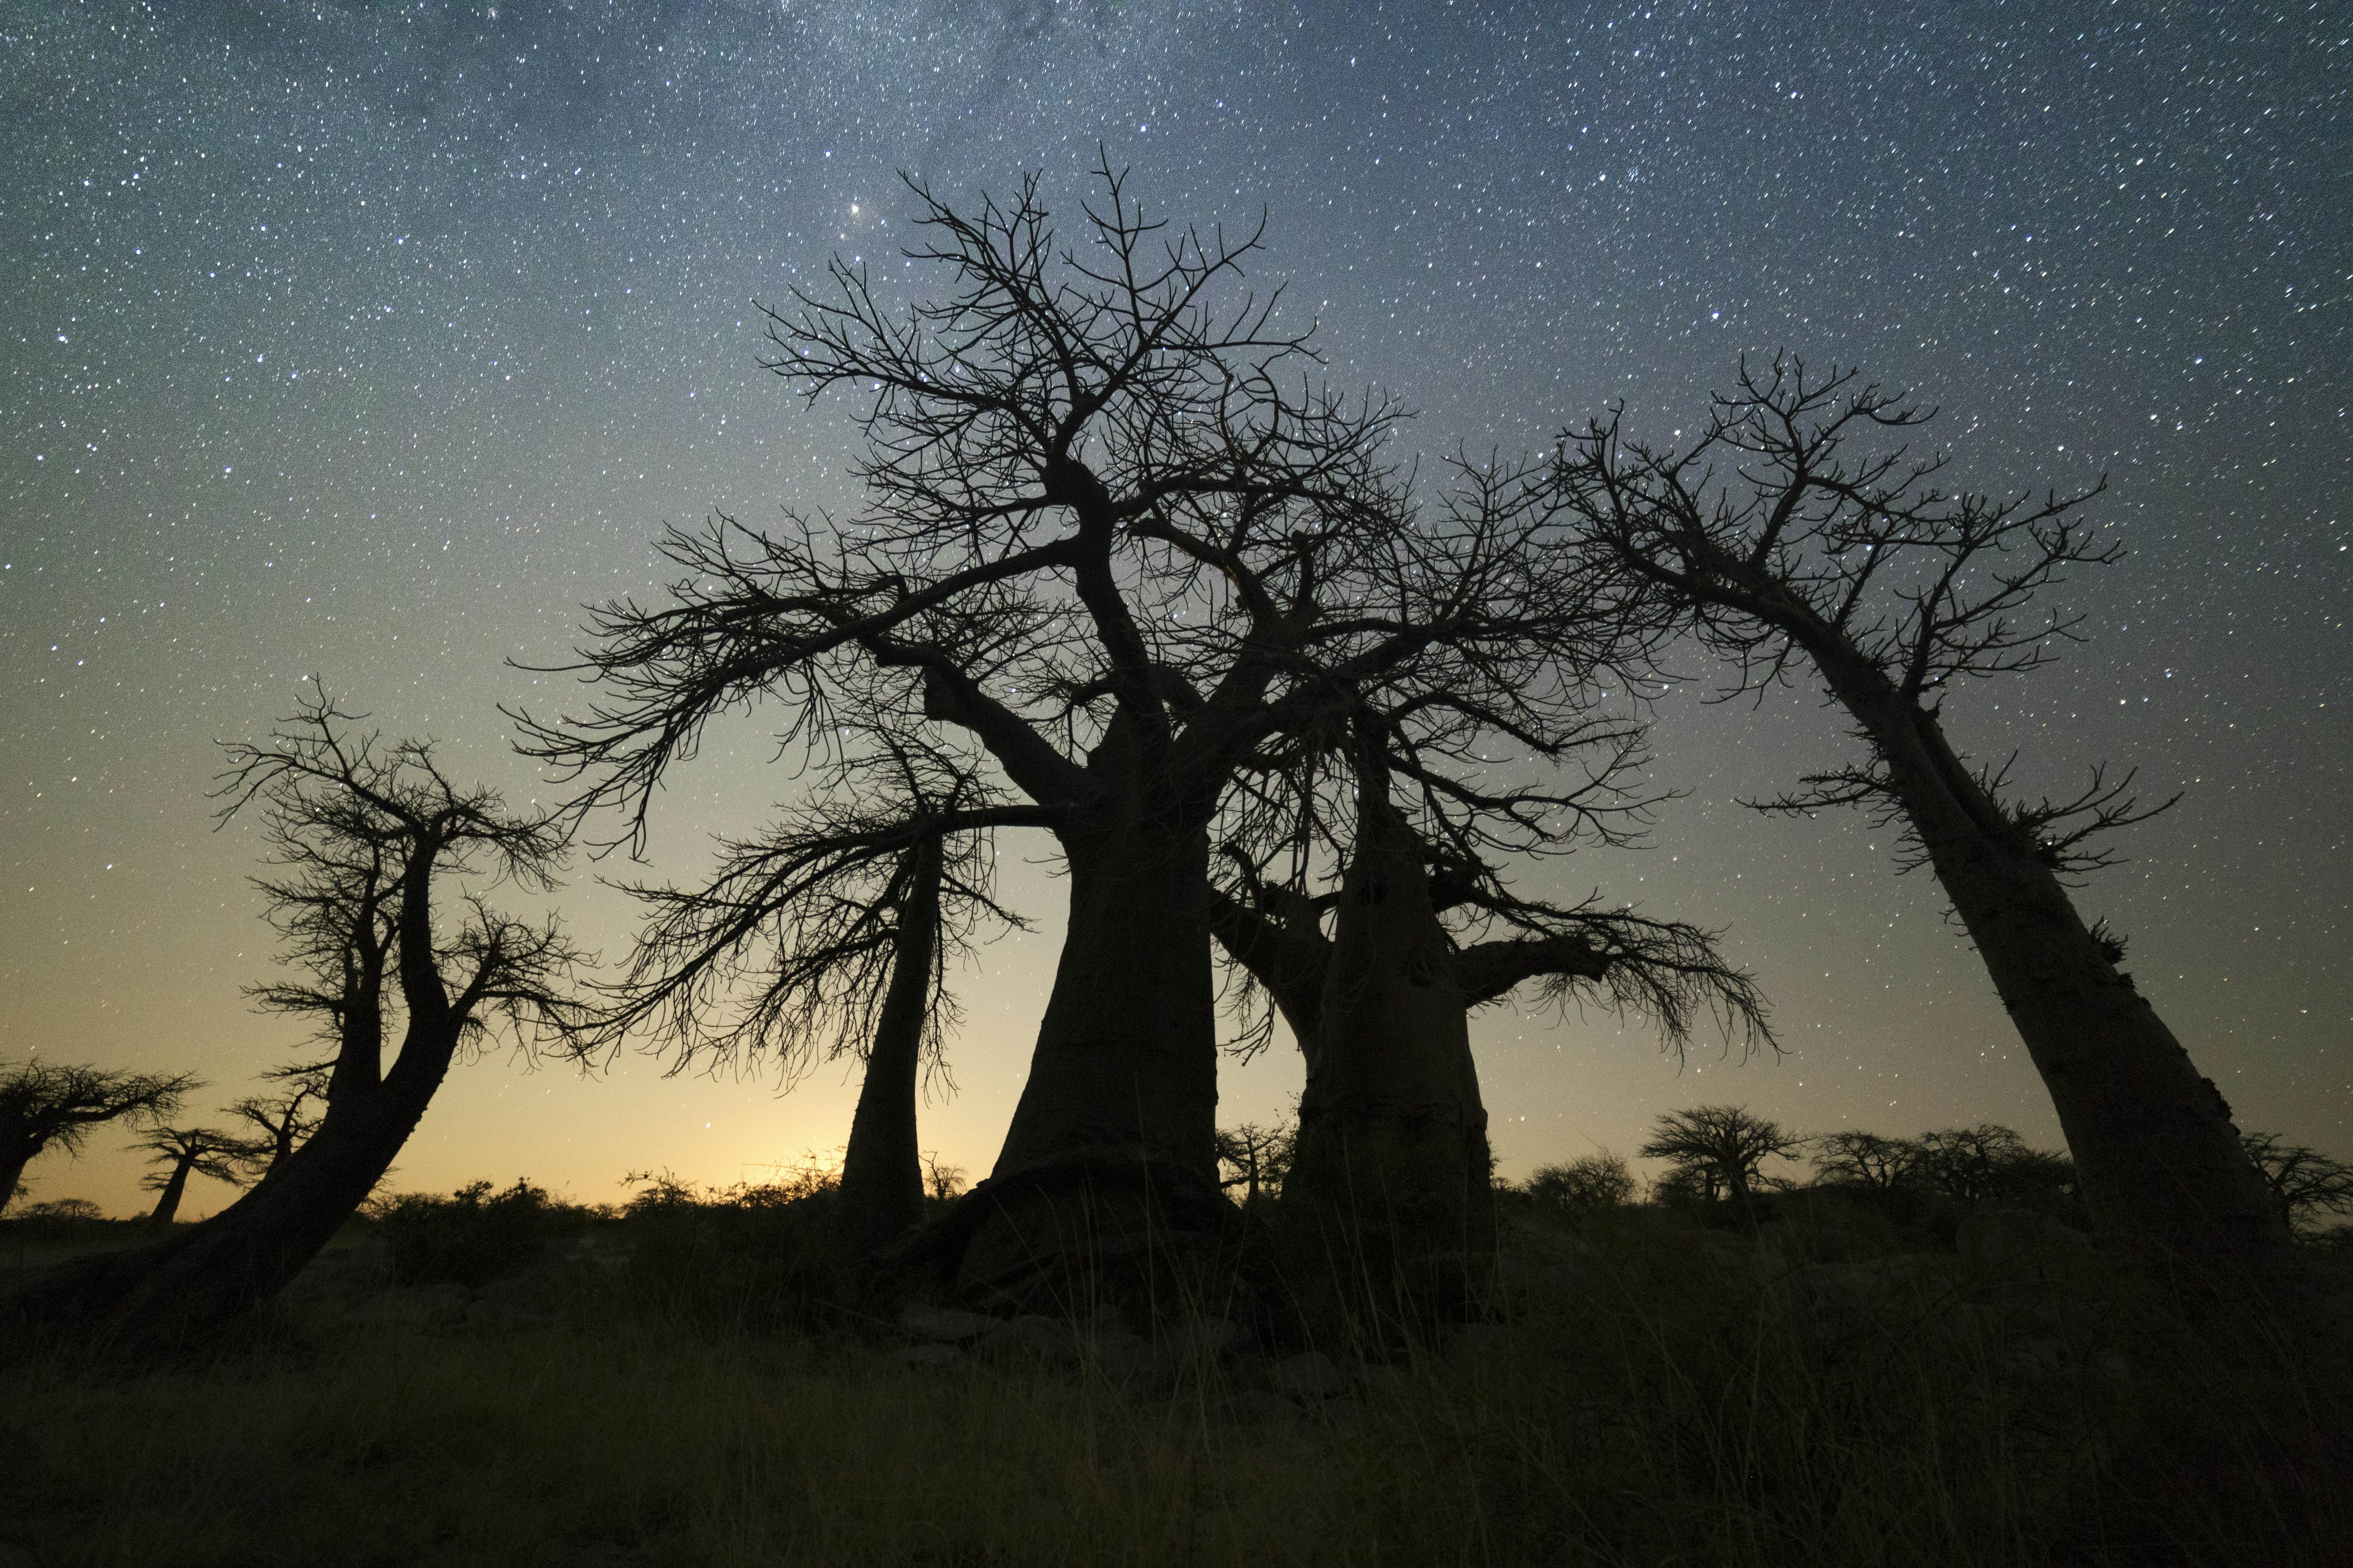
370, 342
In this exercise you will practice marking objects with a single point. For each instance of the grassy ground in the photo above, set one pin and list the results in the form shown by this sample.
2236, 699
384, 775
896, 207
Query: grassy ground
1645, 1391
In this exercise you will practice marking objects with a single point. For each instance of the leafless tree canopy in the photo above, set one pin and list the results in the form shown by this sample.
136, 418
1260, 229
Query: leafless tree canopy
363, 838
1724, 1145
1103, 480
1783, 536
1561, 957
2303, 1181
1865, 1159
54, 1105
279, 1121
785, 952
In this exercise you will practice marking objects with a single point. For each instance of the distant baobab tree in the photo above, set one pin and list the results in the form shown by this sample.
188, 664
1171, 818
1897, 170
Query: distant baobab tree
1255, 1157
1787, 548
382, 869
1985, 1164
2304, 1182
1586, 1186
46, 1106
1117, 535
1865, 1160
179, 1152
1721, 1149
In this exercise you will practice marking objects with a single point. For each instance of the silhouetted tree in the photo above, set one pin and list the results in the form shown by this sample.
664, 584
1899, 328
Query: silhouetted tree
179, 1152
46, 1105
380, 892
830, 934
1391, 1120
1586, 1185
1254, 1157
1865, 1160
1785, 548
283, 1119
1724, 1145
942, 1184
2305, 1184
882, 1167
1111, 544
1986, 1163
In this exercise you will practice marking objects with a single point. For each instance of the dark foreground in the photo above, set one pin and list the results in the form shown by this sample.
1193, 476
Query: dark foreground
680, 1388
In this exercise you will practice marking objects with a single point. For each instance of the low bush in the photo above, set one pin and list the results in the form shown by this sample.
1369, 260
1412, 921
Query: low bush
1587, 1187
472, 1236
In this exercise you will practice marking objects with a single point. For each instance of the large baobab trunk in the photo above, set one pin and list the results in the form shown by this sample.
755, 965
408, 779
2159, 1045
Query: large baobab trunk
2162, 1170
882, 1194
1126, 1054
1392, 1134
1111, 1155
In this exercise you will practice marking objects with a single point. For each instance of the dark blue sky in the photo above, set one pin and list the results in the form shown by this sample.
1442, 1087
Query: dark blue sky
370, 341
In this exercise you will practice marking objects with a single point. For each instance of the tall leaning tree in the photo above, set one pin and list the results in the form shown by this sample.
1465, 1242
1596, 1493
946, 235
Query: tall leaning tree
1790, 548
383, 868
1113, 532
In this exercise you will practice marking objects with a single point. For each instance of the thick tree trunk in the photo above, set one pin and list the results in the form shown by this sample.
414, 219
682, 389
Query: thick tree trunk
2161, 1168
167, 1207
12, 1170
1392, 1134
211, 1271
1110, 1160
881, 1196
1127, 1053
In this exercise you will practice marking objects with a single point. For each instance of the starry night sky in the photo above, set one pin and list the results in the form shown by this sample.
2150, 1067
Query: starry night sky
369, 342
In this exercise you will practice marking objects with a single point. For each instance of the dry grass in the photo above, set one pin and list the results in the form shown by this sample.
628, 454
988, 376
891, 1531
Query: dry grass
1642, 1401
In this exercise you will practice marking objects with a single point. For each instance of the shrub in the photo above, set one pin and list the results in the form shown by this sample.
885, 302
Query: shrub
1588, 1186
469, 1238
752, 1255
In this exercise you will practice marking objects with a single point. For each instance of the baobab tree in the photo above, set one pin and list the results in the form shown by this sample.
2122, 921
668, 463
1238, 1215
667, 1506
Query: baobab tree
1109, 540
1257, 1157
48, 1106
1391, 1120
830, 934
1985, 1164
382, 867
179, 1152
1788, 549
1861, 1159
1720, 1149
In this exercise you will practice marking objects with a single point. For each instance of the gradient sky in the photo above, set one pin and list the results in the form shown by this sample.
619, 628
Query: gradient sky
370, 342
